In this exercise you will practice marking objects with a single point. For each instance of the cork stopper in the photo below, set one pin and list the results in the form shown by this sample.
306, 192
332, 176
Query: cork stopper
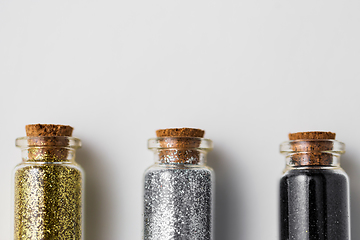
312, 148
312, 135
34, 130
180, 145
50, 141
180, 132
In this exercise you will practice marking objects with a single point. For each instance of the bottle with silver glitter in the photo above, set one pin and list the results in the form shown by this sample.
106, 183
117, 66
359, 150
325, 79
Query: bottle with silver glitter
48, 185
179, 187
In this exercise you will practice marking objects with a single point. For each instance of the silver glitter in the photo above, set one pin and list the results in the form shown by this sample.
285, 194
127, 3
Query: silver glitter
178, 202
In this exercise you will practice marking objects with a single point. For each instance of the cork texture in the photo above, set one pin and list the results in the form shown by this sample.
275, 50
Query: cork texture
180, 145
312, 135
49, 141
180, 132
310, 150
34, 130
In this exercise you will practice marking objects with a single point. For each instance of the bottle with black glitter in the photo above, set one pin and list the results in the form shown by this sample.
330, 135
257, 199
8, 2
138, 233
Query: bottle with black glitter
179, 187
48, 199
314, 190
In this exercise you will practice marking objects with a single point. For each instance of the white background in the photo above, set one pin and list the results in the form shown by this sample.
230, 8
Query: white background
247, 71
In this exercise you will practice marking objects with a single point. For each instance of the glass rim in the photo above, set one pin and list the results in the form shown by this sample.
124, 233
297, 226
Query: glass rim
157, 143
72, 142
337, 146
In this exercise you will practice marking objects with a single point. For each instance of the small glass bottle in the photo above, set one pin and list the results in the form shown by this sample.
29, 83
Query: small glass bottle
179, 187
48, 185
314, 190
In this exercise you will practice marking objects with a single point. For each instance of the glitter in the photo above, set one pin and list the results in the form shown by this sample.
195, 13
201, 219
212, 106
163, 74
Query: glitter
316, 202
178, 203
48, 202
178, 190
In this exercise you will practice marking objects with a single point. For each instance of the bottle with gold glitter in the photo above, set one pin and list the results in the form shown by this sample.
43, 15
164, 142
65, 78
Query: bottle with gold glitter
179, 187
48, 189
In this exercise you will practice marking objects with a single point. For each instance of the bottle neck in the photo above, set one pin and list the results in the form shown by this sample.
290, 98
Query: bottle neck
180, 156
180, 150
48, 149
48, 154
312, 153
312, 160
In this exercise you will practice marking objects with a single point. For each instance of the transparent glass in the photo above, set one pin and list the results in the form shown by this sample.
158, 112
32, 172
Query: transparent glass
329, 150
179, 190
314, 191
48, 189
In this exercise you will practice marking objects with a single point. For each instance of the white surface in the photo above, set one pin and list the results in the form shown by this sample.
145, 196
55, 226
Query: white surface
248, 72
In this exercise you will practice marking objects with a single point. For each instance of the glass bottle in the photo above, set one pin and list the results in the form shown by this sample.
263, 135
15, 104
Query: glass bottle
179, 190
314, 190
48, 187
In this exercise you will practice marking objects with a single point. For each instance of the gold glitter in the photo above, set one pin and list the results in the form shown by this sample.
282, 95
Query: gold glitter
48, 202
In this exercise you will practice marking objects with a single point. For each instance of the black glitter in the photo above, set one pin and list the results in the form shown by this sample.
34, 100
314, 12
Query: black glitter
314, 204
